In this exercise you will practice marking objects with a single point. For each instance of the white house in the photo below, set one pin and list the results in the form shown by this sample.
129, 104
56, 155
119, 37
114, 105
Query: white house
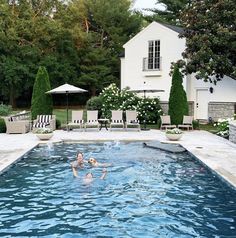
146, 64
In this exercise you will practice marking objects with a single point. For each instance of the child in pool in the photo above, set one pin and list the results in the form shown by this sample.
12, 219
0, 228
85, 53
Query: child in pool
89, 176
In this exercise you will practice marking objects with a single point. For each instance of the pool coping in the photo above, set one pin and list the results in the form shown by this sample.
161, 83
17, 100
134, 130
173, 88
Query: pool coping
204, 155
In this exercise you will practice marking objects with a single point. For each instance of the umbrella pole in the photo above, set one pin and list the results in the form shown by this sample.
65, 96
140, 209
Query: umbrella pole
145, 116
67, 105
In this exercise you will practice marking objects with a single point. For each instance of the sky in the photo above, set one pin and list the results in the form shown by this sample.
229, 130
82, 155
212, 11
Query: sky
139, 4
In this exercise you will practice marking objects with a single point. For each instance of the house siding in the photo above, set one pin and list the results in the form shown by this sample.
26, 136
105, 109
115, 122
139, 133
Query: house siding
217, 104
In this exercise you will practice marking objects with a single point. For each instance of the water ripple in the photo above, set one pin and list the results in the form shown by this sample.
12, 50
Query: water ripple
146, 194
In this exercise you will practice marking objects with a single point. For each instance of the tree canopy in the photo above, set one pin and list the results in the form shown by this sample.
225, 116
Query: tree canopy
168, 11
210, 31
67, 37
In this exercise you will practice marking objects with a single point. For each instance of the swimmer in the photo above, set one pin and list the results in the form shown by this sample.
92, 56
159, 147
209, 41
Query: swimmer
78, 163
94, 163
89, 176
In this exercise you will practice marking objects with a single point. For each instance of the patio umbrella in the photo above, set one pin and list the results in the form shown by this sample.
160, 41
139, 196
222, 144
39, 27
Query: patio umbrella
145, 90
66, 89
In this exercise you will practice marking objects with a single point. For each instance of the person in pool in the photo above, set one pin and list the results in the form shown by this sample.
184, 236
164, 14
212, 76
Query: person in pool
89, 176
78, 163
94, 163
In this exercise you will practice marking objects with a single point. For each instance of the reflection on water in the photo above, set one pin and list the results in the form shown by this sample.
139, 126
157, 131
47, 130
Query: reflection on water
147, 193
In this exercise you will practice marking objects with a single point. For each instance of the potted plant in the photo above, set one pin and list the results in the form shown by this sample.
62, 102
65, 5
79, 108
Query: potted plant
174, 134
44, 133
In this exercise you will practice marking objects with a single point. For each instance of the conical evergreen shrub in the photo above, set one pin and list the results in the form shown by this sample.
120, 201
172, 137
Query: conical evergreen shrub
41, 103
178, 104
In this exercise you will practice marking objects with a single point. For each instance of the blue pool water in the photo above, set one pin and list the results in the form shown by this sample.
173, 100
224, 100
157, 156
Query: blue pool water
147, 193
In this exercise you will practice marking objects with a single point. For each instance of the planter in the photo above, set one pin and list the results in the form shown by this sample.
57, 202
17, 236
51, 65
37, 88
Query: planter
45, 136
174, 136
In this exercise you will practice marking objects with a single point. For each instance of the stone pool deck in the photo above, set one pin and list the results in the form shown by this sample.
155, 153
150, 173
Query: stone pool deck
215, 152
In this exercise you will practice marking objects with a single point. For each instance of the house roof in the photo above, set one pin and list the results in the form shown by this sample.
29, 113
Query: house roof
174, 28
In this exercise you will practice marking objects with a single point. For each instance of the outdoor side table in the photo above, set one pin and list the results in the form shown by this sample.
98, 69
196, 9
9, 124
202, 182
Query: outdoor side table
103, 123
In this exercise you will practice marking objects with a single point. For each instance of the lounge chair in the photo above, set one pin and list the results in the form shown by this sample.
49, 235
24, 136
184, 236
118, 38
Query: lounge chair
132, 120
187, 123
77, 120
16, 126
165, 122
92, 119
45, 121
117, 119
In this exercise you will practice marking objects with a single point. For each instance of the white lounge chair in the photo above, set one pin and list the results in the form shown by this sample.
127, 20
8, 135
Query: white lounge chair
165, 122
92, 119
76, 120
117, 119
187, 123
45, 121
132, 120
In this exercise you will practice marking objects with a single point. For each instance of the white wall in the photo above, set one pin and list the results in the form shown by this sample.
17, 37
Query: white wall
223, 91
136, 49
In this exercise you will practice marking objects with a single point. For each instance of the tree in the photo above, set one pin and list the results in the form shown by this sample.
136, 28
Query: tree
106, 25
168, 11
178, 104
41, 103
210, 30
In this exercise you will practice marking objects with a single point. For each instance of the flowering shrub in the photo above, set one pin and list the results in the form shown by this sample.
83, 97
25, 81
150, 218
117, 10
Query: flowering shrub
43, 131
174, 131
149, 109
223, 126
110, 100
115, 99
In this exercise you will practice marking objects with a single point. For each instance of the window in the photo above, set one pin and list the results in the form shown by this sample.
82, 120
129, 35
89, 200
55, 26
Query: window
154, 54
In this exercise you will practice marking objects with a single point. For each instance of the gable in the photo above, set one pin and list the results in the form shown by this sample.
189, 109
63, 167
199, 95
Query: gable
155, 27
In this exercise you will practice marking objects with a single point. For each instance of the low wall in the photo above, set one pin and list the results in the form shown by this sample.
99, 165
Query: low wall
232, 131
165, 107
218, 110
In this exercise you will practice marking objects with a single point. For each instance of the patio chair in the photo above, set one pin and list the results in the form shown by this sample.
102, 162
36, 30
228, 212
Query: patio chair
132, 120
187, 123
165, 122
45, 121
117, 119
16, 126
77, 120
92, 119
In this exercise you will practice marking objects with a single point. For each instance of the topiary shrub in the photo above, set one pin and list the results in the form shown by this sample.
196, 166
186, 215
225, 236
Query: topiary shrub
178, 104
2, 126
5, 110
58, 124
95, 103
196, 125
41, 103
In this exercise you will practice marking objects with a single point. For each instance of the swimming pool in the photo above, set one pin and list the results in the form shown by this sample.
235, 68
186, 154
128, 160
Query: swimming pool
147, 193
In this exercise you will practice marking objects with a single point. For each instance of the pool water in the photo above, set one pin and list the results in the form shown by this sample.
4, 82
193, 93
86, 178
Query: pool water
147, 193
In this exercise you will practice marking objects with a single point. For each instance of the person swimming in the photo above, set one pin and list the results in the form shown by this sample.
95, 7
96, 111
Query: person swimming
78, 163
89, 176
94, 163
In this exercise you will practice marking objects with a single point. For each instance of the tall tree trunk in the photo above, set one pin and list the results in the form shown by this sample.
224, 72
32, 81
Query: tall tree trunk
93, 91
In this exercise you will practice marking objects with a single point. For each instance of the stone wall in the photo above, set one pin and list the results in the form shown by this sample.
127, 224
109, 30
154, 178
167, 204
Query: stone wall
165, 107
232, 131
218, 110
